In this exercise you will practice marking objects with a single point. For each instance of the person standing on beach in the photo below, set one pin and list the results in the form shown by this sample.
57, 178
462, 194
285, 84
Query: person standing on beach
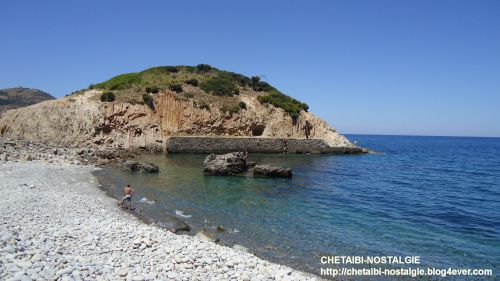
129, 191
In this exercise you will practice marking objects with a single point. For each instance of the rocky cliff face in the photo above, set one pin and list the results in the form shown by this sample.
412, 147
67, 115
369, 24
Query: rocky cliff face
81, 120
20, 97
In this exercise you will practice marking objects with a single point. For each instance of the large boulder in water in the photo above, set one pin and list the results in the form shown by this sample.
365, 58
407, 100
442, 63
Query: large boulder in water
226, 164
135, 166
264, 170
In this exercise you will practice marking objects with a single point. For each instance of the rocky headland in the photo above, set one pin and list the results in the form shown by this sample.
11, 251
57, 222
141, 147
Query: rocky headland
144, 110
56, 224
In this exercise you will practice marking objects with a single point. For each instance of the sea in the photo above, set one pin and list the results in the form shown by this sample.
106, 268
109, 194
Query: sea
437, 198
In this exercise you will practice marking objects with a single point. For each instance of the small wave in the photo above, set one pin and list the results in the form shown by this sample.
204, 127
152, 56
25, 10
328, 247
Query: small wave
145, 200
181, 214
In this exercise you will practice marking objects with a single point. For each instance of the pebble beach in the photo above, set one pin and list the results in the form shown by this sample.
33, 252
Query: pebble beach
56, 224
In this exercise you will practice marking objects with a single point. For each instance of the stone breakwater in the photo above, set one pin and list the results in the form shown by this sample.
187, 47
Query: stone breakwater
193, 144
55, 224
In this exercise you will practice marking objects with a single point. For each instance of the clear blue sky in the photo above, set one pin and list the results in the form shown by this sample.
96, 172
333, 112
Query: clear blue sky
375, 67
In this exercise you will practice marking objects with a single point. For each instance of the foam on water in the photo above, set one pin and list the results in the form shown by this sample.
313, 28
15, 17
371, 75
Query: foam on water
181, 214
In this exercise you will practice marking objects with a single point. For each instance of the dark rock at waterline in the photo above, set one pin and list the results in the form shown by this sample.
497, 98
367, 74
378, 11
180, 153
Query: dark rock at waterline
135, 166
225, 164
264, 170
173, 224
251, 164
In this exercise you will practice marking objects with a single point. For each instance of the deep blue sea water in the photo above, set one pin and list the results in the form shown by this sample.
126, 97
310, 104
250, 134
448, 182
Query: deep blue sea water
435, 197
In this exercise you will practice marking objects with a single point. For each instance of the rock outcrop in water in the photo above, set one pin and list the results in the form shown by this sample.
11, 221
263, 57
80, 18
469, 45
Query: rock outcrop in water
135, 166
264, 170
144, 117
226, 164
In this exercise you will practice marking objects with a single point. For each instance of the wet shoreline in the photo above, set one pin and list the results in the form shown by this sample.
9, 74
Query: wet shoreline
223, 234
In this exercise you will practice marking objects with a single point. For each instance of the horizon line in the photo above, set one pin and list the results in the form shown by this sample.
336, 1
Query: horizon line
416, 135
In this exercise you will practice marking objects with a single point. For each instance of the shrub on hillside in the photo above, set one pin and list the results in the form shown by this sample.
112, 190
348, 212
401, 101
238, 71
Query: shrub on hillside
289, 104
255, 80
148, 100
243, 105
262, 86
202, 68
107, 97
152, 89
192, 82
176, 88
188, 95
242, 80
204, 105
220, 85
231, 109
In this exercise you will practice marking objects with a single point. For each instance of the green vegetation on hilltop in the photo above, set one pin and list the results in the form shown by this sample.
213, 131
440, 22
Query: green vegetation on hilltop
120, 82
289, 104
204, 78
220, 85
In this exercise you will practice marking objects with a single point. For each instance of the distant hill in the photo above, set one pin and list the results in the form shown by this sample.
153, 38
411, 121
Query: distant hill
21, 97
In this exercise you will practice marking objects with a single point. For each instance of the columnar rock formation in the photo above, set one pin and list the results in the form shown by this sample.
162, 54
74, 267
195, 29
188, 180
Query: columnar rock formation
81, 120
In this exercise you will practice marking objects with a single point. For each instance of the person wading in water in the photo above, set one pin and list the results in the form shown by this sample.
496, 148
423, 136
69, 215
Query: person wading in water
129, 191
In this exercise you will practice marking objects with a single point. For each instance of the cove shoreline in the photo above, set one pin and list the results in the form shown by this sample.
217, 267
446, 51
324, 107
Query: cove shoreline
113, 189
105, 241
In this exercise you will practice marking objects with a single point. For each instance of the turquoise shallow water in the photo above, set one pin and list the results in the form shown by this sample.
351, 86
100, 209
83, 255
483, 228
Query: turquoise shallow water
436, 197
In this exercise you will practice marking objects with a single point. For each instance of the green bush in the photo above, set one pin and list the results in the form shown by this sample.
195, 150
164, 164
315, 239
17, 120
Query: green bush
176, 88
202, 68
290, 105
220, 85
91, 86
242, 80
188, 95
120, 82
107, 97
255, 80
204, 105
243, 105
192, 82
148, 100
152, 89
231, 109
262, 86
